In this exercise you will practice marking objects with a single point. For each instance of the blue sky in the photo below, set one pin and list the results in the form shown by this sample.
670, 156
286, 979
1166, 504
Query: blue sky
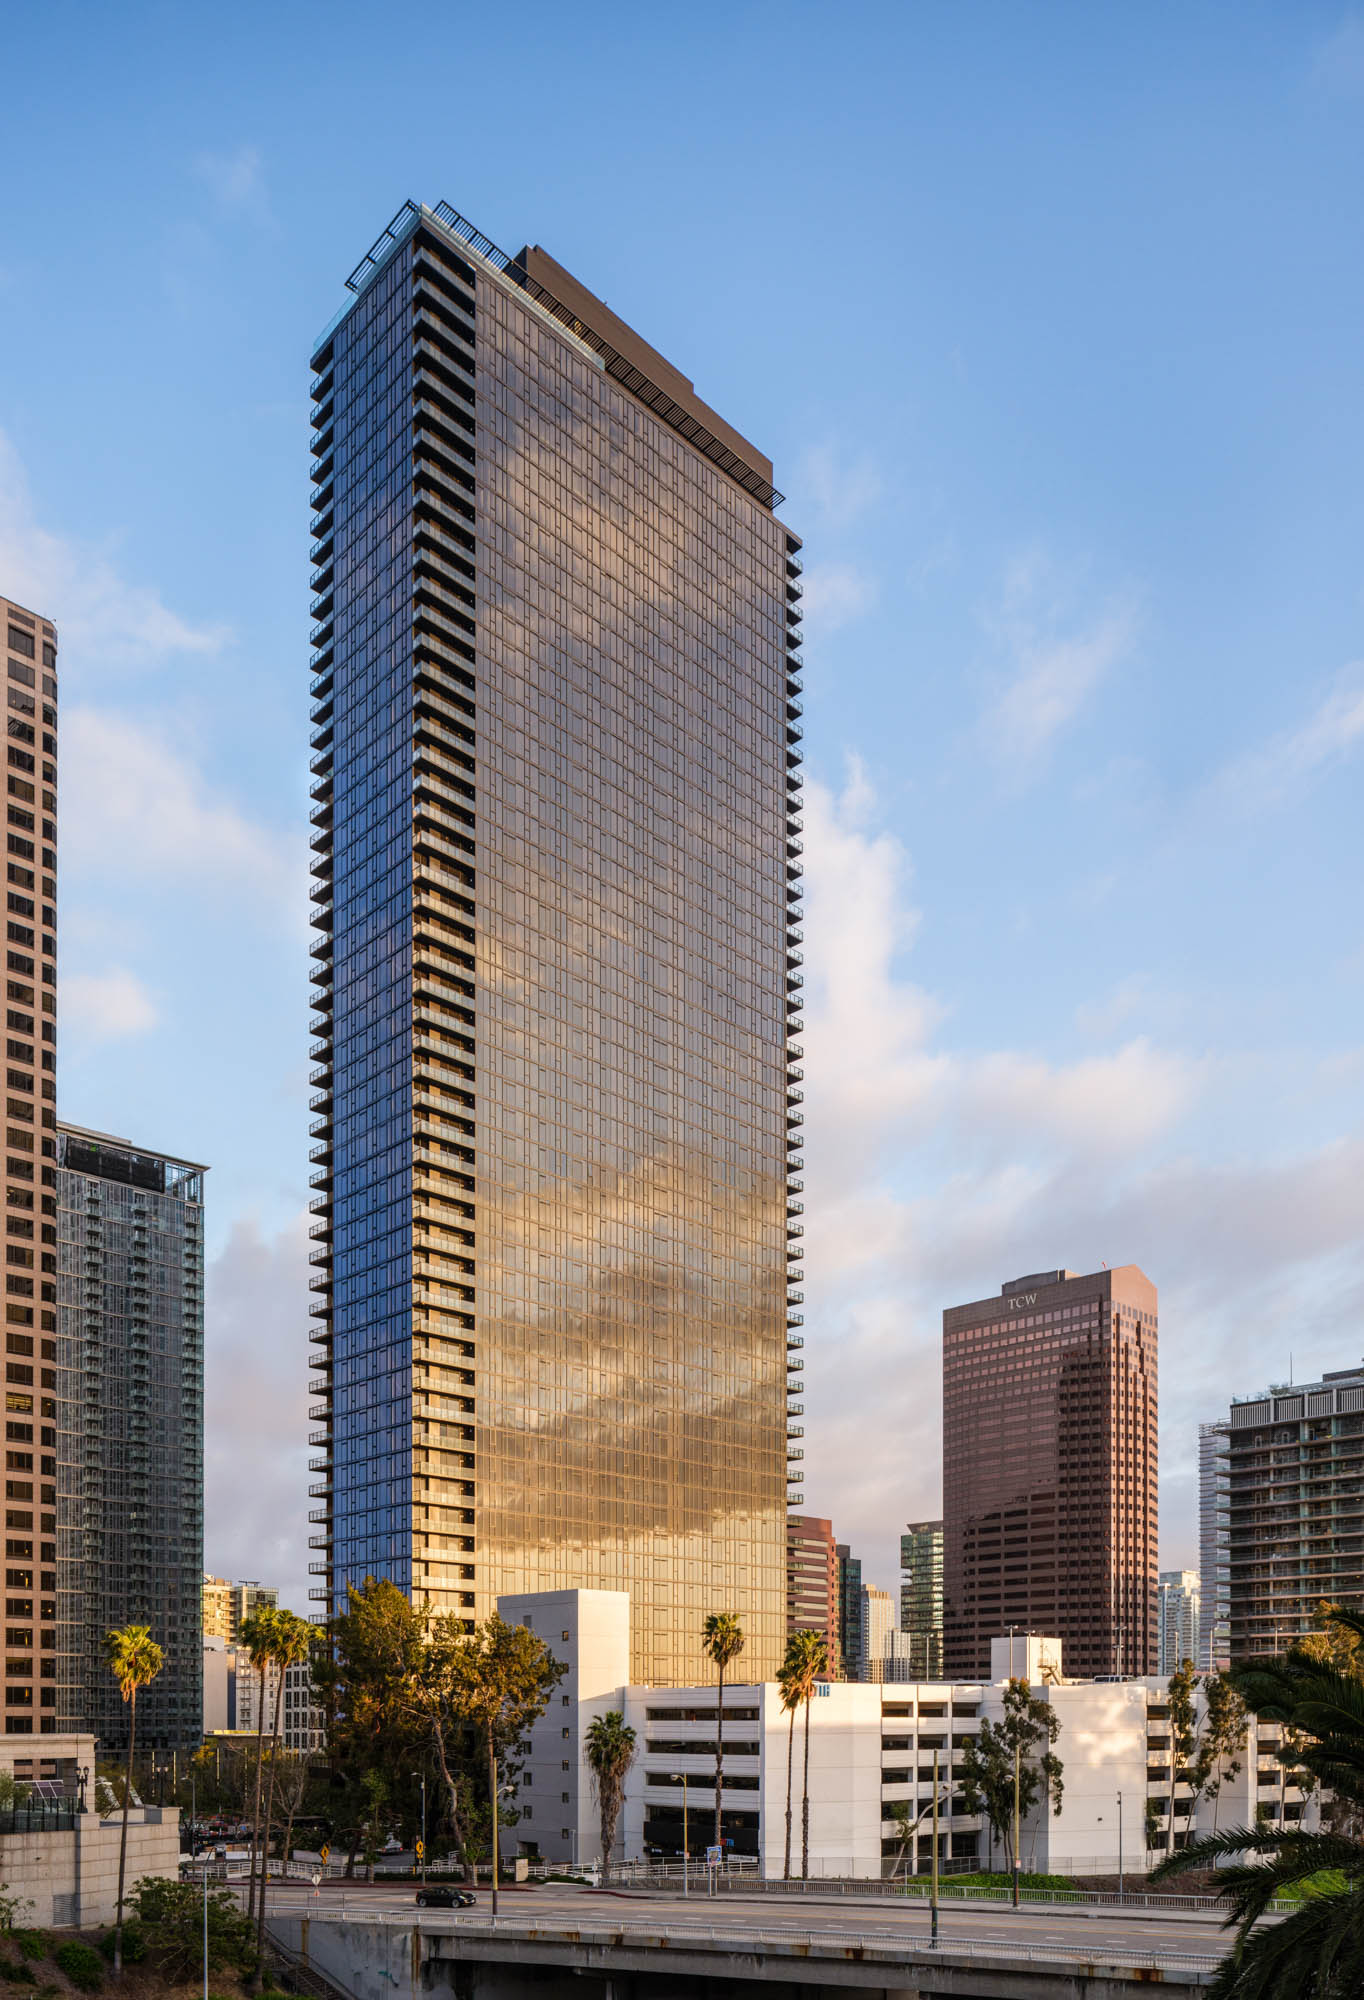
1049, 317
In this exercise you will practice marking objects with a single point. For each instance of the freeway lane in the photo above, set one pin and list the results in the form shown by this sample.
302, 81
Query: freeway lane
1100, 1931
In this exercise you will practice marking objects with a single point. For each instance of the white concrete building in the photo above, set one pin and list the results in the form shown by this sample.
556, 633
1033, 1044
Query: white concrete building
1177, 1619
871, 1748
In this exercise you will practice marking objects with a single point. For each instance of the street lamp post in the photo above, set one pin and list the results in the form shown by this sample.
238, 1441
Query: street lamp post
933, 1895
686, 1843
1121, 1890
205, 1926
1016, 1819
420, 1776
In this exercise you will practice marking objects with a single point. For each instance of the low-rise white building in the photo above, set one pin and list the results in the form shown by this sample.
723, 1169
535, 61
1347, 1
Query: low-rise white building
872, 1755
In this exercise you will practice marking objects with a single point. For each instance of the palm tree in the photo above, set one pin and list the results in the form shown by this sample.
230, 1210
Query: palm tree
134, 1659
808, 1660
258, 1637
610, 1753
722, 1639
291, 1639
788, 1690
1318, 1951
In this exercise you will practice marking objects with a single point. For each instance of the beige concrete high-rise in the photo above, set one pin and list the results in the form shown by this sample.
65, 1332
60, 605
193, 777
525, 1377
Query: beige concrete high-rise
32, 1386
557, 967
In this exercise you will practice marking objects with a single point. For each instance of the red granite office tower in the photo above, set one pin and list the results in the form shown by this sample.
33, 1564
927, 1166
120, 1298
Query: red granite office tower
1049, 1471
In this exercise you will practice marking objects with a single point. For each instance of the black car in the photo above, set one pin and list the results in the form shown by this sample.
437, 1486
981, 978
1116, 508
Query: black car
445, 1899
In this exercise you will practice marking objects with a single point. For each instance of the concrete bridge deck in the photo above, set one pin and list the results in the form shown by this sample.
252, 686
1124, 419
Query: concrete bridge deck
726, 1956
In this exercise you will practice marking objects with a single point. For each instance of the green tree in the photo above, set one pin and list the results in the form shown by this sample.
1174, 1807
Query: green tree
505, 1677
258, 1639
807, 1661
433, 1698
722, 1640
1022, 1741
1221, 1740
1183, 1707
610, 1753
364, 1681
1317, 1953
290, 1640
788, 1691
134, 1659
172, 1916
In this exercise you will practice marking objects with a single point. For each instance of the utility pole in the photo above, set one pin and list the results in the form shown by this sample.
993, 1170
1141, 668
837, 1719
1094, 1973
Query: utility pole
1016, 1819
933, 1896
1120, 1880
686, 1843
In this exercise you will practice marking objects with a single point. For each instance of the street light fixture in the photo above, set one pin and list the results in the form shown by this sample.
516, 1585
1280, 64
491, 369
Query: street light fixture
686, 1843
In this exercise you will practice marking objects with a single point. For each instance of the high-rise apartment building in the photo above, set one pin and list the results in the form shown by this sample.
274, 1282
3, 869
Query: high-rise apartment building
849, 1574
227, 1605
1214, 1554
130, 1519
1049, 1470
921, 1596
34, 1390
1177, 1619
812, 1580
556, 796
1295, 1506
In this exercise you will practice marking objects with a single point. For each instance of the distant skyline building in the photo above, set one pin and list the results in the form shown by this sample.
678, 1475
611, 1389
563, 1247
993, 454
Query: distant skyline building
556, 797
849, 1576
1295, 1509
1049, 1470
879, 1622
227, 1604
130, 1525
1177, 1619
35, 1387
812, 1580
921, 1597
1214, 1546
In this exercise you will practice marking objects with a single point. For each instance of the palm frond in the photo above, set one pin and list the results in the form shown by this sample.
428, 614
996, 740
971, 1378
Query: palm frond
1315, 1954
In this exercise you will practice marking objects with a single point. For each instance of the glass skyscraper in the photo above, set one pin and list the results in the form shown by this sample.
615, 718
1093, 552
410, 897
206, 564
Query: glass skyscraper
557, 869
130, 1446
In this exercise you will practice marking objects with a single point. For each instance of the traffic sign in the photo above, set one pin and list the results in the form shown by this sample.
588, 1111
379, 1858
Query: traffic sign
420, 1849
326, 1853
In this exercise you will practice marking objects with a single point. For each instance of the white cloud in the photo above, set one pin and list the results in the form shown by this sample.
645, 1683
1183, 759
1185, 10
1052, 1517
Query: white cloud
835, 594
101, 618
1338, 60
839, 484
1331, 734
107, 1006
1056, 660
133, 801
255, 1402
935, 1172
236, 179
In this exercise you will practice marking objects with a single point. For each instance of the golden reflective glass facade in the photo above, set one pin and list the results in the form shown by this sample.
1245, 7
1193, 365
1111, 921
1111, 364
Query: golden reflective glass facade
568, 654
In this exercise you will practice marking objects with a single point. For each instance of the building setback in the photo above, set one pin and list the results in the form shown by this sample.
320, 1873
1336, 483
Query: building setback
556, 794
1295, 1509
1049, 1470
812, 1580
34, 1385
130, 1524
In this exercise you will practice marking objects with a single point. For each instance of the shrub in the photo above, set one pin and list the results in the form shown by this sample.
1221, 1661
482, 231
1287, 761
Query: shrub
17, 1973
134, 1944
81, 1965
32, 1945
170, 1917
